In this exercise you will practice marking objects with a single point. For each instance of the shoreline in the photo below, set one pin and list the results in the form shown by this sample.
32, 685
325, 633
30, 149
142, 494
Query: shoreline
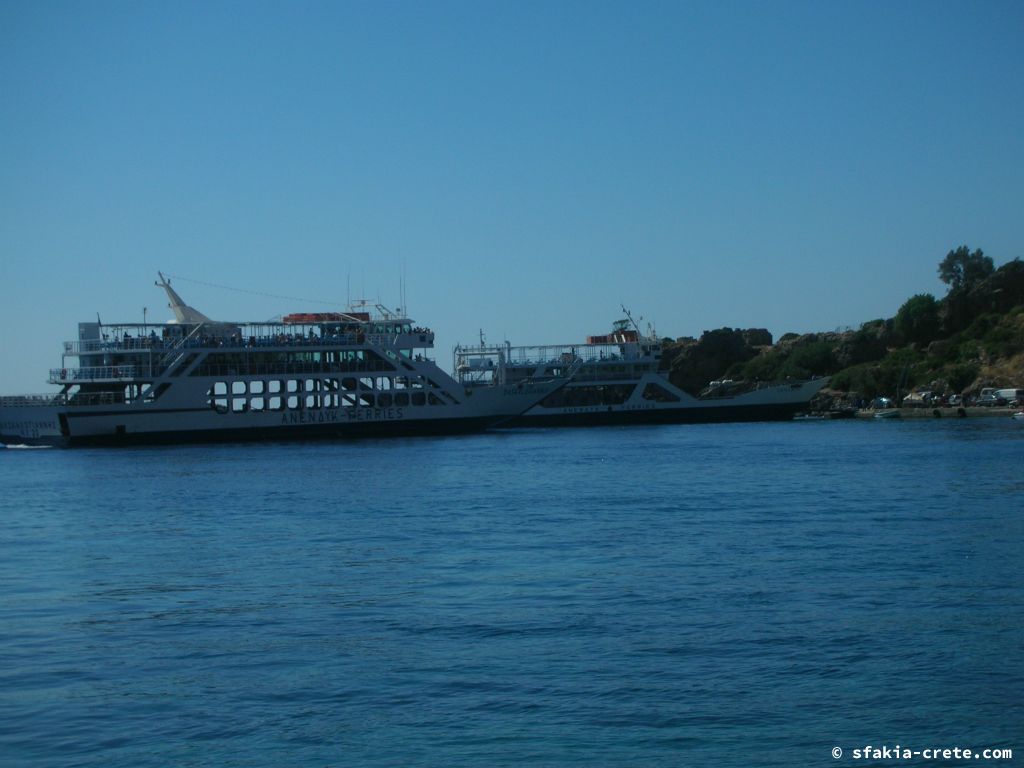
944, 412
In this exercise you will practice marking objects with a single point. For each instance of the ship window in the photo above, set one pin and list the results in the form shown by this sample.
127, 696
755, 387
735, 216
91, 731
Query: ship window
402, 399
220, 404
384, 400
276, 404
257, 404
383, 383
366, 400
331, 385
312, 385
419, 398
238, 388
256, 387
349, 400
292, 385
659, 394
274, 386
220, 388
312, 401
293, 402
434, 399
331, 401
366, 383
349, 384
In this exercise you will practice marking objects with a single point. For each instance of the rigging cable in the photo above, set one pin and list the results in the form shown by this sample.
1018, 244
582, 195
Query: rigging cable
256, 293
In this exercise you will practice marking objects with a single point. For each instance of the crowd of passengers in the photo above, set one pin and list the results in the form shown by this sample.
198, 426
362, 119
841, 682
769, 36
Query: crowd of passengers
236, 339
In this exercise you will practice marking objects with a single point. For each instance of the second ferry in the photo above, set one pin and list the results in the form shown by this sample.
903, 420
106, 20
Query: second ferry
357, 373
616, 379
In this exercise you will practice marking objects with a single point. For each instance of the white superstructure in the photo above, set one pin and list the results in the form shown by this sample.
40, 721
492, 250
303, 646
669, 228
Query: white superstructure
359, 373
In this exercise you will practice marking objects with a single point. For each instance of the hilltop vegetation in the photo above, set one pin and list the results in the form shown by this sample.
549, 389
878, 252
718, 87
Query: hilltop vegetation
971, 338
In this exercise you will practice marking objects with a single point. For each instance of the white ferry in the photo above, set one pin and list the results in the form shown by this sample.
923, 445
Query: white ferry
616, 379
193, 379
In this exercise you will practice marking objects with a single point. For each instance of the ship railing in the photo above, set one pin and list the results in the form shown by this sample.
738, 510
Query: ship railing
98, 373
201, 336
203, 341
115, 344
95, 398
591, 353
28, 401
62, 399
287, 369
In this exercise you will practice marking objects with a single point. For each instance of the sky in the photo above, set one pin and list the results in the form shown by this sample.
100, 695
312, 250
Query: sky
522, 168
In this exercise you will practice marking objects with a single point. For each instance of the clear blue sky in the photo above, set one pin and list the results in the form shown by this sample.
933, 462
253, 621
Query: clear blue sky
529, 165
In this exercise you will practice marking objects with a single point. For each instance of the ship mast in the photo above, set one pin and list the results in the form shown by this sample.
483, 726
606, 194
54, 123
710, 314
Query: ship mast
183, 313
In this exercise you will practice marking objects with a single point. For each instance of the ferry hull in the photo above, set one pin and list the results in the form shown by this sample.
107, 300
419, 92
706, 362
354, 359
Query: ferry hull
779, 403
107, 433
612, 416
33, 425
126, 425
410, 428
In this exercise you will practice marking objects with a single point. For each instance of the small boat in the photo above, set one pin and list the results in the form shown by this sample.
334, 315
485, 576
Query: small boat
1019, 416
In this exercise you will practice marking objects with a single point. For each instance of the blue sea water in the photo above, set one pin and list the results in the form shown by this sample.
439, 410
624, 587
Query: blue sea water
729, 595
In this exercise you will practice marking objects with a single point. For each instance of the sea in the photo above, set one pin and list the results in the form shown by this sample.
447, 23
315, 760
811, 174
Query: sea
692, 595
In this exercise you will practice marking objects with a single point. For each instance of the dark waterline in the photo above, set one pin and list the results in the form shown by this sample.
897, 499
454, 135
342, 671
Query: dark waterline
744, 594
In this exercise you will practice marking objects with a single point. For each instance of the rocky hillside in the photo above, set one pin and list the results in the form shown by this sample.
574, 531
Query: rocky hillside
970, 339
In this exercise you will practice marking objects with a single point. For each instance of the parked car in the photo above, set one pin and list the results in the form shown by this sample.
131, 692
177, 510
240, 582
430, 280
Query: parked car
1012, 395
991, 399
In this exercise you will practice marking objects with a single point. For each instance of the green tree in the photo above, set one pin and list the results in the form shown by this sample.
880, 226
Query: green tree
918, 319
963, 269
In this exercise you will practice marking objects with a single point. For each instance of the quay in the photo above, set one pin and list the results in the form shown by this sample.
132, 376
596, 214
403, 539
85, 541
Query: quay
945, 412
